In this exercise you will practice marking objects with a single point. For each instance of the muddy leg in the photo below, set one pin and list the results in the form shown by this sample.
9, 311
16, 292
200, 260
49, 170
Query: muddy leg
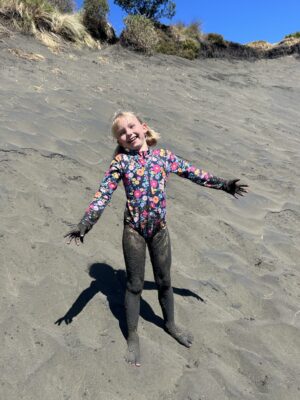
134, 247
160, 253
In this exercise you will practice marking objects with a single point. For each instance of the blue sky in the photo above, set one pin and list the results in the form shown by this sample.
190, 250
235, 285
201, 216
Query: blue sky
241, 21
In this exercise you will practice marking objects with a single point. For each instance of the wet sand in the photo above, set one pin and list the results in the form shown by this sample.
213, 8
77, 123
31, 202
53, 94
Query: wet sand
233, 118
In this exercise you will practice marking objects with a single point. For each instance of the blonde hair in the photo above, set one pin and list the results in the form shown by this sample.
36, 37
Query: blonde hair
152, 137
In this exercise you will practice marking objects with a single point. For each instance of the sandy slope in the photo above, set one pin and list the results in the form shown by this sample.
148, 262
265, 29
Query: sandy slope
236, 119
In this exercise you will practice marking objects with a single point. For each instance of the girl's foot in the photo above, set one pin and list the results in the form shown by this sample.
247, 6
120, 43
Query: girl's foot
133, 351
183, 337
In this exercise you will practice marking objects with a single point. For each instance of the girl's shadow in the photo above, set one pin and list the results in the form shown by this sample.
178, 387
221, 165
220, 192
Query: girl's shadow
112, 284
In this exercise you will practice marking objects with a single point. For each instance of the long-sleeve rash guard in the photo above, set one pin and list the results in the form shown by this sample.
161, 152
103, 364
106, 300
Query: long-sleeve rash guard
145, 175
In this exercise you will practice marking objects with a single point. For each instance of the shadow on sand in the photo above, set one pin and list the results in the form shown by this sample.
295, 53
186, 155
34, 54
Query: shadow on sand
112, 283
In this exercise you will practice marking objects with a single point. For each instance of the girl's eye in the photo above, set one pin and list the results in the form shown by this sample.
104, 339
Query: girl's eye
120, 133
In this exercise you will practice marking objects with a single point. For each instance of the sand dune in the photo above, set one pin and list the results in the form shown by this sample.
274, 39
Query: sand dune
233, 118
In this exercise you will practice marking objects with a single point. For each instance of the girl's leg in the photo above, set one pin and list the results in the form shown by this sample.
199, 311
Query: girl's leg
160, 254
134, 248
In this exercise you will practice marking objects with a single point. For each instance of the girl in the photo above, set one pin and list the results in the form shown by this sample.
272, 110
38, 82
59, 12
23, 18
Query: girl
144, 173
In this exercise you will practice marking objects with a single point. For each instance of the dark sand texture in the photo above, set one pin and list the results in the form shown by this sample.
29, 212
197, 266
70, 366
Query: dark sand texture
233, 118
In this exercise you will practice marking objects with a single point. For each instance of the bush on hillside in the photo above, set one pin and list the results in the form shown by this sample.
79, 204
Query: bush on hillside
293, 35
180, 40
64, 6
151, 9
216, 38
139, 33
95, 18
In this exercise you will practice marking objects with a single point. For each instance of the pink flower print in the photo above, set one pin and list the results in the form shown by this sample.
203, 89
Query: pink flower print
172, 157
142, 161
191, 169
112, 185
174, 166
156, 168
153, 183
145, 214
137, 194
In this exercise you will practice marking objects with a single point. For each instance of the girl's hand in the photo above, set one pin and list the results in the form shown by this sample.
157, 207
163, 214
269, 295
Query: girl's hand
77, 233
234, 188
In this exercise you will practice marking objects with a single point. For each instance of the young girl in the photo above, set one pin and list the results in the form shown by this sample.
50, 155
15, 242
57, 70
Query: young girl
144, 173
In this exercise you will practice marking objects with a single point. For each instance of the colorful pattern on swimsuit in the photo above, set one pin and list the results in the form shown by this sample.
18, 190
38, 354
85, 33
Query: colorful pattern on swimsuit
145, 175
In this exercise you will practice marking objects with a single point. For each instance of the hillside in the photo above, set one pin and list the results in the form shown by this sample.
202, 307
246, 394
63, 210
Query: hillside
234, 118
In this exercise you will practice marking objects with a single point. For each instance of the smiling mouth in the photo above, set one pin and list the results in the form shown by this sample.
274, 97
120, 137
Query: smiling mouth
132, 139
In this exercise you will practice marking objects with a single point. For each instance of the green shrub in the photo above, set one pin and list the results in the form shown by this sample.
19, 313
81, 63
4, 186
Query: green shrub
293, 35
64, 6
139, 33
167, 47
216, 38
179, 40
95, 17
186, 49
189, 48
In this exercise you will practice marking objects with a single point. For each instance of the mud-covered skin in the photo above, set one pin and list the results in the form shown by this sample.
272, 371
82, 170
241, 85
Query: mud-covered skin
144, 175
134, 247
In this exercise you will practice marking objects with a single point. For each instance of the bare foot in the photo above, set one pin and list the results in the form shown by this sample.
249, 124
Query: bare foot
183, 337
133, 352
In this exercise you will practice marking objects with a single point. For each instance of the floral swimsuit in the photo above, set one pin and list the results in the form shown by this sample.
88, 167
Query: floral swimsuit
145, 174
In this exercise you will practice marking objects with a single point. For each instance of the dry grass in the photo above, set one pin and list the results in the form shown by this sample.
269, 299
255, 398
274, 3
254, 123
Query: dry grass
290, 41
27, 56
183, 32
39, 18
260, 44
50, 40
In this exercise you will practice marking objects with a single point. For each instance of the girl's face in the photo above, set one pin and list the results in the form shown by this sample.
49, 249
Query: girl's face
131, 133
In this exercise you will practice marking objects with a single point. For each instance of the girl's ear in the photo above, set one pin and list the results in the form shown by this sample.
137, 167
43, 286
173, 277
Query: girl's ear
145, 127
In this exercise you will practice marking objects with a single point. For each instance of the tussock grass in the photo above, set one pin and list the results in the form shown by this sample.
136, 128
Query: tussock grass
41, 19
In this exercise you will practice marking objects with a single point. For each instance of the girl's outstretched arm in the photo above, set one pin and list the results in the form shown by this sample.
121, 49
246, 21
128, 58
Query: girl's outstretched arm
185, 169
101, 198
